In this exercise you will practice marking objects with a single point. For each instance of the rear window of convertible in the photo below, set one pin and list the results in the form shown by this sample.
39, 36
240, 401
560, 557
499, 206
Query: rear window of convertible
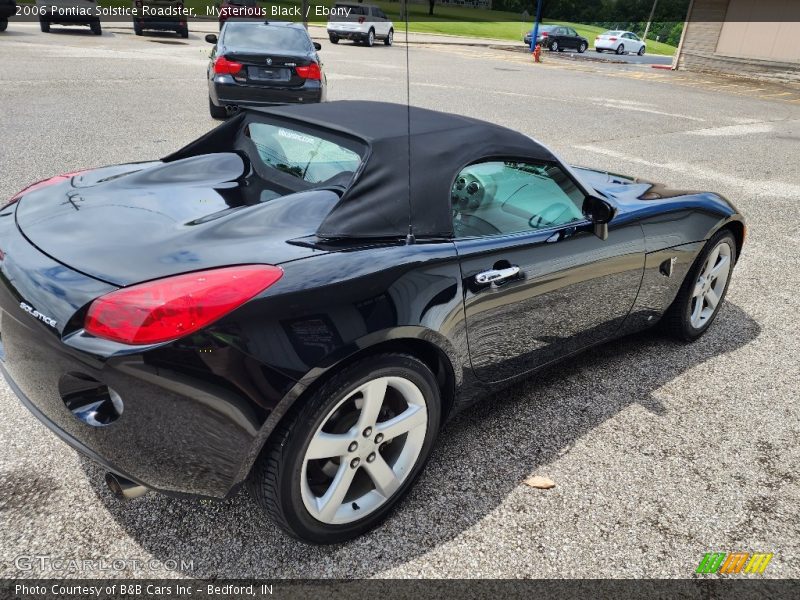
308, 157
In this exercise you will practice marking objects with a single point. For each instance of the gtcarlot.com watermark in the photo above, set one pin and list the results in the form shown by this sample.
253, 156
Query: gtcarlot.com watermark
44, 563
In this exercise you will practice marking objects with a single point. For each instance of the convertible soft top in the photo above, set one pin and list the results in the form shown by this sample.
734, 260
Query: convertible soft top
376, 205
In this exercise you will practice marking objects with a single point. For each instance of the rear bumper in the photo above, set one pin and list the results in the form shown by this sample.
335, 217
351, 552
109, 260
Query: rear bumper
160, 24
193, 417
62, 435
607, 45
223, 92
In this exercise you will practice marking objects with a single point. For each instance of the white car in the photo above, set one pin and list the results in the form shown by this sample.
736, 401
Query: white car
363, 23
620, 42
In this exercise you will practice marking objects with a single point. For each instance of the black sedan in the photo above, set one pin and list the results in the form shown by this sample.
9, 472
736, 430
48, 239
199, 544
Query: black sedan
558, 38
300, 299
258, 64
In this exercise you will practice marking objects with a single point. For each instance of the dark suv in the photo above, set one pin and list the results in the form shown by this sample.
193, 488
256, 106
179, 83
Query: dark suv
258, 64
173, 19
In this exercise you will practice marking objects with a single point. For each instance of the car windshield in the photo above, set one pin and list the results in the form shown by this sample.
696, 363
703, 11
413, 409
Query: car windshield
265, 38
305, 156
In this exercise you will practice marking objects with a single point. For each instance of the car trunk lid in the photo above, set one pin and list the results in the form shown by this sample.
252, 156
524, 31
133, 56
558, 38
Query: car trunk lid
130, 223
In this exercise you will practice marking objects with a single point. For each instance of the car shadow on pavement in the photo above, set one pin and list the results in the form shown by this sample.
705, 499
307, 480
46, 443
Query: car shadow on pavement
481, 457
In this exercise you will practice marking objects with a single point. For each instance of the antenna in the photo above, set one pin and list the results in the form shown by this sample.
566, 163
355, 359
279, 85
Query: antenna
410, 236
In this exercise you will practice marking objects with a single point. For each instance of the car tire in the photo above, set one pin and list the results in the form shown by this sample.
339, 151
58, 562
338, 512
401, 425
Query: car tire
369, 41
3, 24
389, 39
137, 29
641, 51
333, 38
96, 28
554, 47
217, 112
183, 32
282, 478
582, 48
688, 317
598, 50
44, 26
620, 49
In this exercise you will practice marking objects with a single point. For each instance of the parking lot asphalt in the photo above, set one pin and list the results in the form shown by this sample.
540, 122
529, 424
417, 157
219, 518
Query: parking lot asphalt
660, 451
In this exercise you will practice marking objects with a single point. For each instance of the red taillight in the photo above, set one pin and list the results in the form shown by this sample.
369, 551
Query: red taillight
311, 71
41, 184
544, 34
167, 309
613, 39
361, 19
223, 66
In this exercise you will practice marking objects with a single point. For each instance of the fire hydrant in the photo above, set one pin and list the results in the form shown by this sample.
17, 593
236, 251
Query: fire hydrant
537, 53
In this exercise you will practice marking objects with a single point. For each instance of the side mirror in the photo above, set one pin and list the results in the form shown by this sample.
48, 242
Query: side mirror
211, 38
317, 46
599, 212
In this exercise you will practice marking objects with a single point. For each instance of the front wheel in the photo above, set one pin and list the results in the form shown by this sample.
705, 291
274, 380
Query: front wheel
352, 450
44, 26
703, 290
333, 38
641, 51
620, 49
183, 32
3, 24
389, 39
96, 28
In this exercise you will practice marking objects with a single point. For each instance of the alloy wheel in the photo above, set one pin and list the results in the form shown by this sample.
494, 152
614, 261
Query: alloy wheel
365, 448
710, 285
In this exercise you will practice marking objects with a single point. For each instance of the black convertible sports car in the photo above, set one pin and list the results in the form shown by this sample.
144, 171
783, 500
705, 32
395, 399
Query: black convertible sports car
301, 298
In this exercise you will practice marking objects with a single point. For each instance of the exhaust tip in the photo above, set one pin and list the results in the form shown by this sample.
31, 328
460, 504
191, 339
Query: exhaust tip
124, 489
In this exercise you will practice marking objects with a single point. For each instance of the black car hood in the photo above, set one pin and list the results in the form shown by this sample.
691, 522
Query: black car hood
135, 222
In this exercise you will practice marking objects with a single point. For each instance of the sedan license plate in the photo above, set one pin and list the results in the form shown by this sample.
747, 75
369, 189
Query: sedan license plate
268, 74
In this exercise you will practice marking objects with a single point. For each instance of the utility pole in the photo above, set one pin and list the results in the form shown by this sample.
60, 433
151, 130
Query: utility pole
535, 33
650, 20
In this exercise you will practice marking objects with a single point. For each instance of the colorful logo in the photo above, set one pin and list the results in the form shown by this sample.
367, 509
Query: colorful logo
735, 562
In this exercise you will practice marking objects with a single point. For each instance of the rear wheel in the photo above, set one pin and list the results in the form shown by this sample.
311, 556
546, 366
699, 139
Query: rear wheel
217, 112
352, 451
703, 290
96, 28
620, 49
598, 50
3, 24
333, 38
44, 26
370, 41
582, 48
554, 46
641, 51
389, 39
183, 32
137, 29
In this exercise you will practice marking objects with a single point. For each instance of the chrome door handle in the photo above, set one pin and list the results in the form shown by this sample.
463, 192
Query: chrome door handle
495, 275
